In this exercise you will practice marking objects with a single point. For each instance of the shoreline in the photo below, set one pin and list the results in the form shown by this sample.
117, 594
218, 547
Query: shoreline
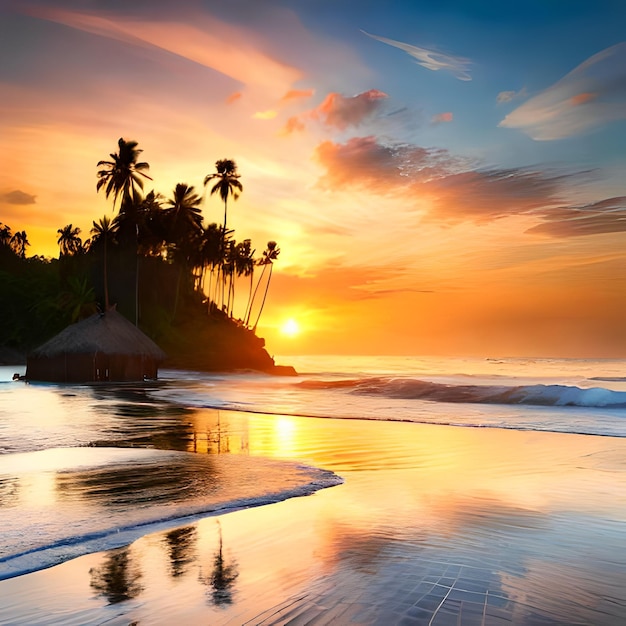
432, 520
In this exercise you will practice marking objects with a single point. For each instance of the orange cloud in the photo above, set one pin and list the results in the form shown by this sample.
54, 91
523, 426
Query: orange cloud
605, 216
297, 94
582, 98
441, 117
365, 162
234, 97
341, 112
210, 42
457, 192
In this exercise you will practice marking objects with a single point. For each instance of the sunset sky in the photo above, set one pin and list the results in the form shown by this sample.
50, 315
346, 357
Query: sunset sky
442, 177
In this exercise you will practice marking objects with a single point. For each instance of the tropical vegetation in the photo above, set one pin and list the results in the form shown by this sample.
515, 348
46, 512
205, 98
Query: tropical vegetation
177, 277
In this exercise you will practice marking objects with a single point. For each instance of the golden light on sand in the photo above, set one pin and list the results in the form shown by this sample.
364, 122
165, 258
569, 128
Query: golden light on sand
291, 328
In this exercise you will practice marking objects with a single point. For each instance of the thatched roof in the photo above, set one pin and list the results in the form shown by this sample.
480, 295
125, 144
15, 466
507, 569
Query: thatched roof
108, 333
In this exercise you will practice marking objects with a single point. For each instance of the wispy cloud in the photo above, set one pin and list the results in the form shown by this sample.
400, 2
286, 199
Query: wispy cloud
592, 94
450, 190
431, 59
17, 197
339, 111
605, 216
215, 44
508, 96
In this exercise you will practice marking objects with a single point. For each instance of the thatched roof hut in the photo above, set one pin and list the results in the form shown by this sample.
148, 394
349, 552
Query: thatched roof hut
105, 346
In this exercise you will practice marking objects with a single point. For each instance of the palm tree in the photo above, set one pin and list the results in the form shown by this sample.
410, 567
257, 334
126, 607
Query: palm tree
78, 299
122, 175
227, 182
5, 235
69, 241
183, 212
104, 231
269, 256
153, 227
18, 243
244, 266
211, 256
184, 218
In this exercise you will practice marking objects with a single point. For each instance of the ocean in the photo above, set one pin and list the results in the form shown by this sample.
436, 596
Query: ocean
92, 468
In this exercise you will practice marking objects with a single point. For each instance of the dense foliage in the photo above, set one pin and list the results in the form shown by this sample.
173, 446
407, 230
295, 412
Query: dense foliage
156, 261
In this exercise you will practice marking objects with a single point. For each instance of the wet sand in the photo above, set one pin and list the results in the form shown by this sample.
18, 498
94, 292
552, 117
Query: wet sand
433, 525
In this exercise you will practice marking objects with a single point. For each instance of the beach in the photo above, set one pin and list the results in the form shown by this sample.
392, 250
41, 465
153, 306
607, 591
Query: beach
381, 491
424, 524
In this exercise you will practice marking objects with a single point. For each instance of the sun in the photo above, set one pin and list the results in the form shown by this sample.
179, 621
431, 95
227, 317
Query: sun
290, 328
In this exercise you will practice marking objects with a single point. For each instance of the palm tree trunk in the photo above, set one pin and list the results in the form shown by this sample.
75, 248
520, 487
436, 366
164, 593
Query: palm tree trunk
106, 279
267, 286
246, 313
254, 294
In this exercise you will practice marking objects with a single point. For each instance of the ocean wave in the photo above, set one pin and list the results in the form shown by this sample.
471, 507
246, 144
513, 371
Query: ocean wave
531, 395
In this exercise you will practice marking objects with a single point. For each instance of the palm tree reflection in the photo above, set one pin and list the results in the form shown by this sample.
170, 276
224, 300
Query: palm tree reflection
180, 548
223, 576
117, 579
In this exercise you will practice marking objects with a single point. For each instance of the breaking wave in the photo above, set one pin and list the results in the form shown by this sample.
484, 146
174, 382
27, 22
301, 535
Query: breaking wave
531, 395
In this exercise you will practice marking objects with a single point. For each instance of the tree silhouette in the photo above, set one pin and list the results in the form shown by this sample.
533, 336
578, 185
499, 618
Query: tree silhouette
69, 241
184, 219
153, 227
78, 299
183, 214
223, 576
18, 243
5, 235
180, 544
270, 254
227, 182
123, 175
118, 578
103, 233
244, 266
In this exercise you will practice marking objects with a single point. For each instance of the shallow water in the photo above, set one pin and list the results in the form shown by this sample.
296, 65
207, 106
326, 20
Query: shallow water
432, 524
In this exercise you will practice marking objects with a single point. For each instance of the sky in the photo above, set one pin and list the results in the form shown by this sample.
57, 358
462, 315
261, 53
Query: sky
442, 178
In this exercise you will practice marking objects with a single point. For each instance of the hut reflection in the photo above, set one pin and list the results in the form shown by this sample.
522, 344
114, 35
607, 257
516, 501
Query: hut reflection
217, 436
117, 579
180, 544
221, 582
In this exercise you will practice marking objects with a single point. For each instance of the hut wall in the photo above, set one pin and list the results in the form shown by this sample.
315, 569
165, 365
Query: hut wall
132, 367
64, 368
84, 368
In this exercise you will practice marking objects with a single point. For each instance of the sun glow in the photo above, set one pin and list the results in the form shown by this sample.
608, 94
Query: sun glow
291, 328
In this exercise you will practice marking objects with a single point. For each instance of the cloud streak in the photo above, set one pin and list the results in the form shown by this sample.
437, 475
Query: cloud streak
431, 59
450, 190
223, 47
605, 216
591, 95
